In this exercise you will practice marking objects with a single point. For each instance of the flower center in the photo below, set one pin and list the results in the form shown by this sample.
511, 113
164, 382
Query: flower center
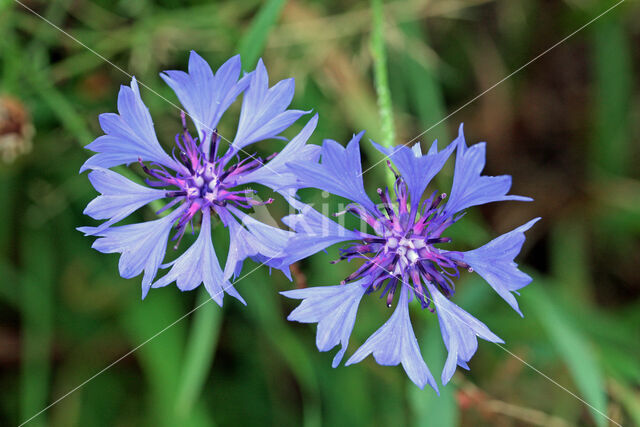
403, 250
203, 183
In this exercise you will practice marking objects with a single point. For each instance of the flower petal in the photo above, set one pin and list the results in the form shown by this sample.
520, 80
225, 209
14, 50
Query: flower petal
142, 246
119, 197
129, 135
469, 187
276, 174
261, 242
199, 264
333, 308
495, 263
314, 232
395, 343
204, 95
416, 169
264, 111
339, 173
459, 332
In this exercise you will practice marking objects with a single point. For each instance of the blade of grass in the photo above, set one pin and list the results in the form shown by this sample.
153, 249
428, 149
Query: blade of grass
60, 106
423, 88
8, 290
37, 321
611, 145
254, 40
428, 408
573, 347
160, 358
569, 258
203, 339
9, 46
267, 316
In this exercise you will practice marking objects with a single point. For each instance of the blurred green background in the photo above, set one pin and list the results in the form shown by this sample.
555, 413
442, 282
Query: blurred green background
565, 127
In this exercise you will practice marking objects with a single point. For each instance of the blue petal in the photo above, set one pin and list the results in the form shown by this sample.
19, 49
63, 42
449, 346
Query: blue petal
142, 246
119, 197
495, 263
333, 308
469, 187
276, 174
263, 243
339, 173
314, 232
199, 264
264, 111
416, 169
395, 343
204, 95
129, 135
459, 331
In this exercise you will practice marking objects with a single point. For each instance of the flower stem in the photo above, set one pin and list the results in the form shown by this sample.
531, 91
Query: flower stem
381, 78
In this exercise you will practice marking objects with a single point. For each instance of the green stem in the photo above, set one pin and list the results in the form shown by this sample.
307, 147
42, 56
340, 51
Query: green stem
381, 78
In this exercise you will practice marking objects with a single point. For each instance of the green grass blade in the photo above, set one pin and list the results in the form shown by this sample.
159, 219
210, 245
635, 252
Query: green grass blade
574, 348
253, 42
160, 357
428, 408
423, 88
268, 317
201, 346
37, 320
611, 146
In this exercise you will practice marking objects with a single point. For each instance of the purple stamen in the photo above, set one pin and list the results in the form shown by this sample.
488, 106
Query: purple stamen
404, 246
202, 183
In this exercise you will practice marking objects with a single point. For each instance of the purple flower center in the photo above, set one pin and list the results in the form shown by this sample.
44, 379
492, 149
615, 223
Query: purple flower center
403, 251
203, 184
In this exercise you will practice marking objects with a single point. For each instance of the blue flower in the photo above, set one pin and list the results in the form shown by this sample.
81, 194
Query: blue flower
199, 180
404, 253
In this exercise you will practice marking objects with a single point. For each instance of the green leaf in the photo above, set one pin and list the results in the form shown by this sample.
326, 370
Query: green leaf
574, 348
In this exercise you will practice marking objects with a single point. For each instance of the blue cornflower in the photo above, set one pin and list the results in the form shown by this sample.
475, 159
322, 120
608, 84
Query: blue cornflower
199, 180
403, 254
